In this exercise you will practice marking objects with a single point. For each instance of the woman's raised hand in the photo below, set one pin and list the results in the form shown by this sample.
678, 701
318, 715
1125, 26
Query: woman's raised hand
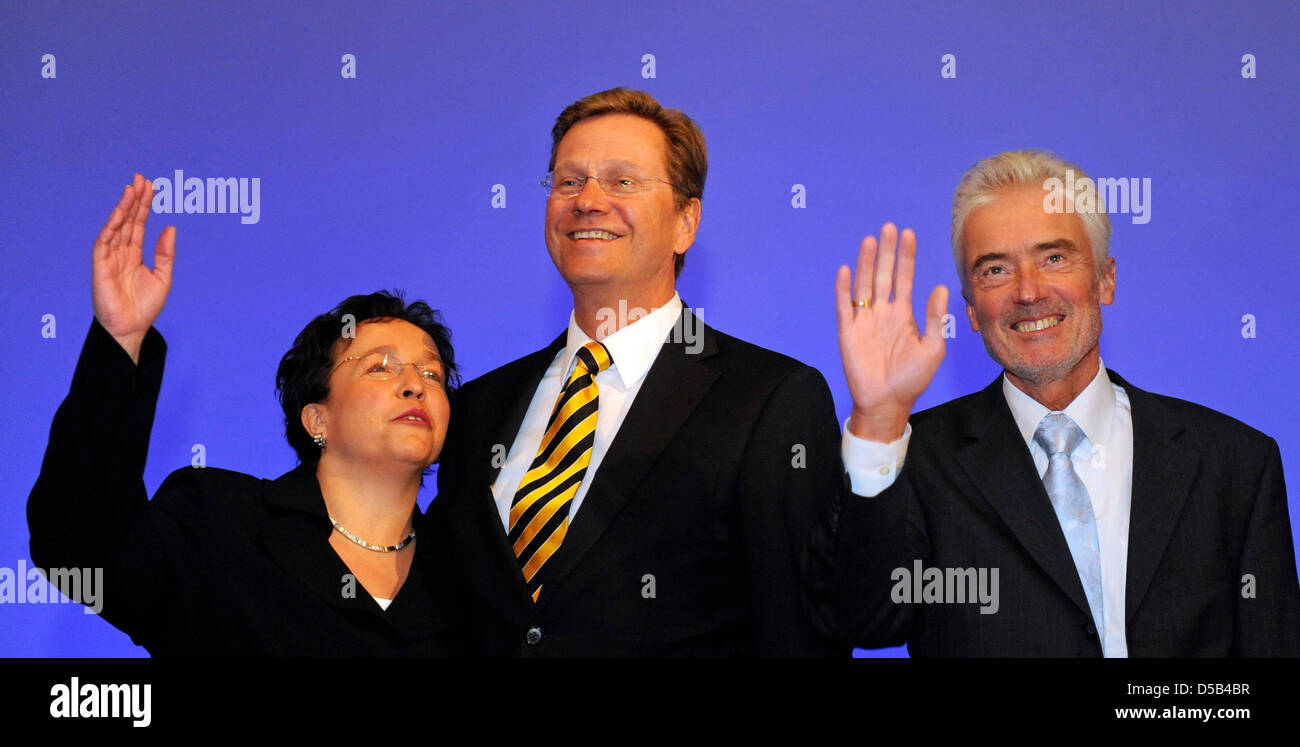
128, 296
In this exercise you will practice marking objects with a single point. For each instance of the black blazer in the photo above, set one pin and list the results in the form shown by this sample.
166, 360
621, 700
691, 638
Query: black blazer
219, 562
691, 537
1208, 507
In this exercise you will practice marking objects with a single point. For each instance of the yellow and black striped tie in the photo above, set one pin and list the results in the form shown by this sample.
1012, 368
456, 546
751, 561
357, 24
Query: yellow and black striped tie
539, 514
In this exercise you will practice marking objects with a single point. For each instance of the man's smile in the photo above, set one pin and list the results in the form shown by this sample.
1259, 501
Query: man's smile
593, 234
1038, 325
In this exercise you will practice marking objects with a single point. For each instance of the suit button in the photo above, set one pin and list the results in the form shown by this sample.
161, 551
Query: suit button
1090, 630
533, 636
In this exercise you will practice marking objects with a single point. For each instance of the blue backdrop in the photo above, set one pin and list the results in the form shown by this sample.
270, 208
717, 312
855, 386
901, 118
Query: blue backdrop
421, 173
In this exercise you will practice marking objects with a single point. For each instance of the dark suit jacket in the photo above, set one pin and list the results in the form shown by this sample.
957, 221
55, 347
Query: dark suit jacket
1208, 507
218, 563
708, 492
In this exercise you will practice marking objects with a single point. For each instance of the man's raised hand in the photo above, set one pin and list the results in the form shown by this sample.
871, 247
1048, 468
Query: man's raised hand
127, 295
888, 363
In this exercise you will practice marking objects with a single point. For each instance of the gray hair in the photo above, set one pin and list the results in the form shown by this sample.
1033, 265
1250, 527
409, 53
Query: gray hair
983, 182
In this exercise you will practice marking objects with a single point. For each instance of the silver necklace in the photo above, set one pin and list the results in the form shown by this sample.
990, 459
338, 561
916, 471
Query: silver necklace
371, 545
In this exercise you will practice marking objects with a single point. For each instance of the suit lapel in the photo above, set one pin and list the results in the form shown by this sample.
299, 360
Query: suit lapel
994, 459
501, 428
1162, 479
673, 388
297, 539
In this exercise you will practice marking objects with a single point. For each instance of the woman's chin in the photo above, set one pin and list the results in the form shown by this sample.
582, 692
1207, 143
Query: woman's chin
410, 455
404, 460
425, 460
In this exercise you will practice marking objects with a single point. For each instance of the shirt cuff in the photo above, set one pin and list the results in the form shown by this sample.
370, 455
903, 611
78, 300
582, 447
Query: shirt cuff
872, 466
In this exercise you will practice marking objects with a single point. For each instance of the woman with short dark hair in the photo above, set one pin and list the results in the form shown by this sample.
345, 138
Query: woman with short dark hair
334, 558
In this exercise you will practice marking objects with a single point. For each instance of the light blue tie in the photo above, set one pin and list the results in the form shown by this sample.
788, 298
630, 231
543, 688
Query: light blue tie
1059, 435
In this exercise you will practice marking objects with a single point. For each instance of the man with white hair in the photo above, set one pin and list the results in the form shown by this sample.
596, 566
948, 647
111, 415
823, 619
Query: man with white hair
1111, 521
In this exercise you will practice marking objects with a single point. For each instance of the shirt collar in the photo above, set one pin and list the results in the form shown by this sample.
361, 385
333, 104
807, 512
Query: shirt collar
1092, 410
632, 348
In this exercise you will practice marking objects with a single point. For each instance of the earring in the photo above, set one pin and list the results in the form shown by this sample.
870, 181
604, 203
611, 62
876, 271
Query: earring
319, 438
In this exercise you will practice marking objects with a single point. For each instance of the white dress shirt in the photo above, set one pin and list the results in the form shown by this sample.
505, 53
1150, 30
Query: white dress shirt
1103, 460
632, 350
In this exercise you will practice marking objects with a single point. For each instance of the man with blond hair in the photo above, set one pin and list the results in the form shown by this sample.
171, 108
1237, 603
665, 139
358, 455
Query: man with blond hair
644, 484
1112, 521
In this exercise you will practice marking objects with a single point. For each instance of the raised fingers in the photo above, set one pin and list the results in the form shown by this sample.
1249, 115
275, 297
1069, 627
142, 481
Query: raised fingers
935, 310
123, 237
906, 268
143, 200
843, 301
884, 274
866, 264
108, 235
164, 254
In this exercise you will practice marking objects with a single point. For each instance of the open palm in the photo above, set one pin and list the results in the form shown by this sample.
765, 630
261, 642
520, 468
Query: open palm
888, 363
128, 296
